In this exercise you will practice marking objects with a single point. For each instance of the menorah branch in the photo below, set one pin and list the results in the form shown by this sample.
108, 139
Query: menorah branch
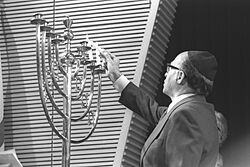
67, 69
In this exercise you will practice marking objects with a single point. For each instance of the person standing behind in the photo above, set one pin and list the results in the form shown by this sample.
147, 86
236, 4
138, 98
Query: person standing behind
185, 133
222, 135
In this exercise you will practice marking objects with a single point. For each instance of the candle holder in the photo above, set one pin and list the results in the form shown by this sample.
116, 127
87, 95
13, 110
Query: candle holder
71, 67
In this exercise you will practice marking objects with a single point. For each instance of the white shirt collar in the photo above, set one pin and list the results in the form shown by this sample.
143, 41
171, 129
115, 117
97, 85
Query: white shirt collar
178, 99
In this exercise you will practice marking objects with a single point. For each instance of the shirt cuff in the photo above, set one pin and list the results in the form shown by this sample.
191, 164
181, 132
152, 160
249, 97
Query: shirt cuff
121, 83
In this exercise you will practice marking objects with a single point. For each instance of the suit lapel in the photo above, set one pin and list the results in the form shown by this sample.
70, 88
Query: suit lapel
160, 125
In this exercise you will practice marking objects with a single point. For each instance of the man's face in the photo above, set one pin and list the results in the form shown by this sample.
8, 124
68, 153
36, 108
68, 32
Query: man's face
170, 84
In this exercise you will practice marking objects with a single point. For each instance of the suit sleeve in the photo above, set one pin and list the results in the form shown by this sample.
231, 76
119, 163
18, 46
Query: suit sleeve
143, 104
184, 142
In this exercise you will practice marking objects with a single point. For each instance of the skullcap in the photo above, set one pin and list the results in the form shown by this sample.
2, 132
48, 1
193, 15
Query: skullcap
204, 62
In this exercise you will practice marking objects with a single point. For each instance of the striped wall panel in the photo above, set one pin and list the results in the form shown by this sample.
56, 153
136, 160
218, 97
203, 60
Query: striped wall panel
1, 111
147, 76
157, 49
117, 25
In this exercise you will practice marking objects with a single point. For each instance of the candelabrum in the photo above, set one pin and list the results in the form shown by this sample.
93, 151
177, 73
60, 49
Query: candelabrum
73, 68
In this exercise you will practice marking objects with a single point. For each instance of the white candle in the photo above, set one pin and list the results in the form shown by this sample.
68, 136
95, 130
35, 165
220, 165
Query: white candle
89, 44
90, 55
98, 59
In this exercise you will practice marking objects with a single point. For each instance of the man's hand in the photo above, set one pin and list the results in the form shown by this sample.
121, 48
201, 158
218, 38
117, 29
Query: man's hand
113, 62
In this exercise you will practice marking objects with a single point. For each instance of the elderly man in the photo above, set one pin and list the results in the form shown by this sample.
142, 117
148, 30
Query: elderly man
185, 133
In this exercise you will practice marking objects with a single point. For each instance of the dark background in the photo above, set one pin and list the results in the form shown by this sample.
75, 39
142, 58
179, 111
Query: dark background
221, 27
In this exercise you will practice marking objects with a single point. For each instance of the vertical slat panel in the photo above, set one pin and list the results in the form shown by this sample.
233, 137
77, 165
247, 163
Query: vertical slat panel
159, 41
117, 25
148, 73
1, 110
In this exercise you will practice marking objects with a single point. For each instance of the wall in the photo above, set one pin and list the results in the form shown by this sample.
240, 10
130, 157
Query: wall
118, 25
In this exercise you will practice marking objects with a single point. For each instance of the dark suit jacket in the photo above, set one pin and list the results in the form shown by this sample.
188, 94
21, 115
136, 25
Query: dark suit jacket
186, 136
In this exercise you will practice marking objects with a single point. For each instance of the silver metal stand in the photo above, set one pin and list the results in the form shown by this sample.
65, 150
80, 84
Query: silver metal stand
73, 67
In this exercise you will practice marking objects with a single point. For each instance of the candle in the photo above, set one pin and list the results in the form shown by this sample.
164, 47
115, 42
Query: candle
90, 51
90, 55
98, 59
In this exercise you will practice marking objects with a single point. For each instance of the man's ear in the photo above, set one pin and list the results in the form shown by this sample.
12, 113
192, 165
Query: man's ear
180, 77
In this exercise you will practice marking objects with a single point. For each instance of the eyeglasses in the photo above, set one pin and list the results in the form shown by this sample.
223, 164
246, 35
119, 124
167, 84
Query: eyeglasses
169, 66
